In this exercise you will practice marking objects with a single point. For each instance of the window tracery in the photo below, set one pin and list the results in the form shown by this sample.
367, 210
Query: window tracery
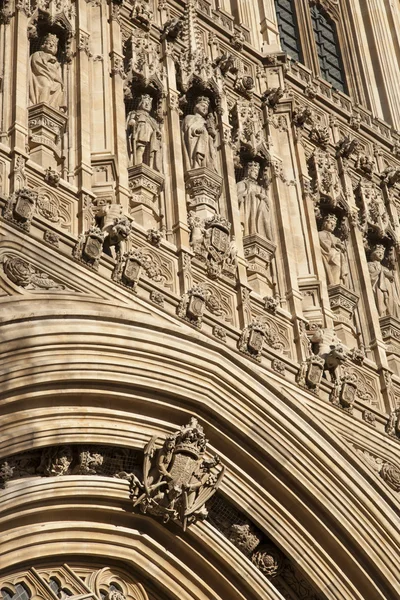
64, 582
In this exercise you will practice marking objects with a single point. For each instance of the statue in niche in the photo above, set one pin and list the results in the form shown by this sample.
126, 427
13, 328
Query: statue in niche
254, 204
383, 284
144, 135
199, 135
332, 250
46, 84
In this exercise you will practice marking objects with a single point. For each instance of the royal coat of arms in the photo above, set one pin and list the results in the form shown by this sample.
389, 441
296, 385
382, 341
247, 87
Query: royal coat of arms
177, 479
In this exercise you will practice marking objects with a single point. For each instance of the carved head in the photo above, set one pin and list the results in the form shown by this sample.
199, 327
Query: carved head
253, 170
378, 252
329, 222
50, 44
145, 102
202, 106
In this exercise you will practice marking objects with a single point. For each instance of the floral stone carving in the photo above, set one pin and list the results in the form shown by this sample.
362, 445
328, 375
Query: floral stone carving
177, 479
268, 559
391, 475
25, 275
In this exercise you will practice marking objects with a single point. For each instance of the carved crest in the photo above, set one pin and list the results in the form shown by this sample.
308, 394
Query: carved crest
177, 479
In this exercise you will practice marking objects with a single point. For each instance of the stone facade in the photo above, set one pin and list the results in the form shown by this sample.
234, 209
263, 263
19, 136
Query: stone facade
199, 299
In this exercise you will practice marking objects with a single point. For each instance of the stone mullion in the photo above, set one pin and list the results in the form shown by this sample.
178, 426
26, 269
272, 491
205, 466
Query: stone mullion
309, 211
287, 255
231, 192
178, 193
119, 130
18, 131
83, 100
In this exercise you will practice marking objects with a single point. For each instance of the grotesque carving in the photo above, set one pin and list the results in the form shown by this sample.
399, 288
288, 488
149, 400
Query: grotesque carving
254, 204
144, 135
46, 84
272, 96
347, 146
199, 134
327, 346
383, 284
177, 479
332, 250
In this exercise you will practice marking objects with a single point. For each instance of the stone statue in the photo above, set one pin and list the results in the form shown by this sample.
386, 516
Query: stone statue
199, 134
332, 250
144, 135
386, 296
46, 83
253, 204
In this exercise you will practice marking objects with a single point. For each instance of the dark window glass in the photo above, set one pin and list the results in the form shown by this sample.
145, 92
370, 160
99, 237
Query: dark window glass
288, 29
329, 56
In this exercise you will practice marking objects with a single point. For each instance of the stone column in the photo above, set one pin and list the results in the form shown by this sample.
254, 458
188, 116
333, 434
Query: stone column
178, 193
119, 120
83, 117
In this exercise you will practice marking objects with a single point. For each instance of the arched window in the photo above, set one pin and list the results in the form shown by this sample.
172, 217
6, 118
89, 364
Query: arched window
328, 49
288, 28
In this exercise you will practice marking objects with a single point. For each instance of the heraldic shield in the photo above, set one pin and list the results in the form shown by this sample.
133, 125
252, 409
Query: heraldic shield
177, 479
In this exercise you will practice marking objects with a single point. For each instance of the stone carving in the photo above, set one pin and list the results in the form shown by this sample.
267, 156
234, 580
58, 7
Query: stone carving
347, 146
46, 84
172, 29
199, 133
383, 284
245, 537
144, 135
20, 208
248, 132
192, 305
327, 346
390, 176
25, 275
278, 366
220, 333
52, 177
251, 341
210, 242
177, 479
157, 297
56, 462
369, 417
392, 427
6, 473
90, 463
89, 247
142, 12
254, 204
268, 559
373, 214
272, 96
310, 373
129, 268
51, 238
332, 251
270, 304
302, 115
366, 164
391, 475
345, 391
320, 135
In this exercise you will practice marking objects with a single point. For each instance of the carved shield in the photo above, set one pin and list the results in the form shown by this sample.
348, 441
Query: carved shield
24, 207
93, 247
183, 467
314, 374
256, 340
220, 240
196, 306
348, 393
132, 271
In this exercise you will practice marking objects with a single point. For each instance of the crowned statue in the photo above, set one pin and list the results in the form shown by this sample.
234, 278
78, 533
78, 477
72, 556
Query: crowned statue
144, 135
254, 204
198, 130
46, 84
332, 250
383, 284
